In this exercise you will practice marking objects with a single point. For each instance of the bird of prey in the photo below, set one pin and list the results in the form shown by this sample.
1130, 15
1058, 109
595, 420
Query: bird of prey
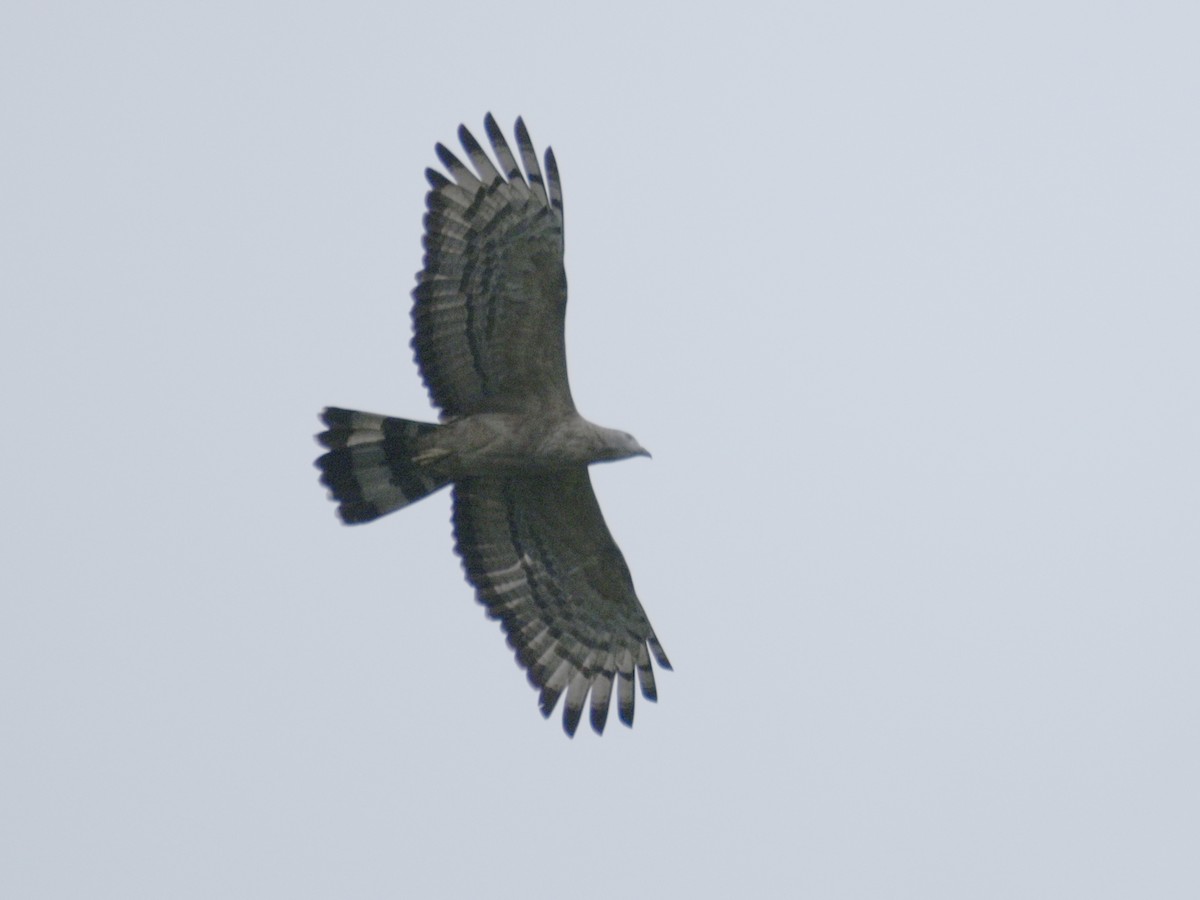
488, 314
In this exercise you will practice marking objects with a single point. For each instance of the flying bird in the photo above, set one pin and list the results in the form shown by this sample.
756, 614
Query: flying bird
488, 315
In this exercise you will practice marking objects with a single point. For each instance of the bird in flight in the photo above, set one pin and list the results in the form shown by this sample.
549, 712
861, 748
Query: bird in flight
488, 315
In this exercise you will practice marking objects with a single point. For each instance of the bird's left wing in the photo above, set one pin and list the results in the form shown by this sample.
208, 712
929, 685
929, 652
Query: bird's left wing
544, 563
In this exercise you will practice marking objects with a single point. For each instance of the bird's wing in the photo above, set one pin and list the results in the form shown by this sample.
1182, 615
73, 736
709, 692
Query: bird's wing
490, 302
543, 562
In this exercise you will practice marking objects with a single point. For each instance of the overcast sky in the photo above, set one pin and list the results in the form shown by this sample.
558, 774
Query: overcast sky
903, 297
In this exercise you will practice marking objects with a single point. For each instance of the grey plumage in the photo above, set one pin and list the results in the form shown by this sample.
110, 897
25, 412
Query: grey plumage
488, 317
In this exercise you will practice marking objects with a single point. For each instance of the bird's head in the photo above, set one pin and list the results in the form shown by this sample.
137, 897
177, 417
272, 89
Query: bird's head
619, 445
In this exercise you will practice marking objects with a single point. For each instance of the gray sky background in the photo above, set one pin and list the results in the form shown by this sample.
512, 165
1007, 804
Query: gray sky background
905, 299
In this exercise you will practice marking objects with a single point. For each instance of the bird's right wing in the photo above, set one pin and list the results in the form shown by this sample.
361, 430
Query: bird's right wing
490, 303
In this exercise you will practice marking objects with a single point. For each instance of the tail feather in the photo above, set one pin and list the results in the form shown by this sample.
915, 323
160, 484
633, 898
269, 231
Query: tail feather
369, 468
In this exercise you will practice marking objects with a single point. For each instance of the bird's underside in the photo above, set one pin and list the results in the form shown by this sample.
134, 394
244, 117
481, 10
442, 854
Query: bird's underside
488, 317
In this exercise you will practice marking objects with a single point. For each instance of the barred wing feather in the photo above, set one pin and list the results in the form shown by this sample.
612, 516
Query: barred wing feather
491, 299
542, 561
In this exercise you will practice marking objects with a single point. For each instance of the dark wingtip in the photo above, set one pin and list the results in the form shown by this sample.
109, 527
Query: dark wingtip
524, 141
599, 717
625, 714
448, 159
571, 716
660, 655
467, 139
547, 700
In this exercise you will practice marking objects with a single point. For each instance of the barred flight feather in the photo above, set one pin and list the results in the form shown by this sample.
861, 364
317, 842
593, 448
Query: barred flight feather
516, 543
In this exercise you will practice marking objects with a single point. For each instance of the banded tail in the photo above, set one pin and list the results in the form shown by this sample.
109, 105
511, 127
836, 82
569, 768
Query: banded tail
369, 468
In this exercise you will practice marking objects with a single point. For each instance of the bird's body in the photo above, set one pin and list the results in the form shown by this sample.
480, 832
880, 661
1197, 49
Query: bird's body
505, 443
488, 319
